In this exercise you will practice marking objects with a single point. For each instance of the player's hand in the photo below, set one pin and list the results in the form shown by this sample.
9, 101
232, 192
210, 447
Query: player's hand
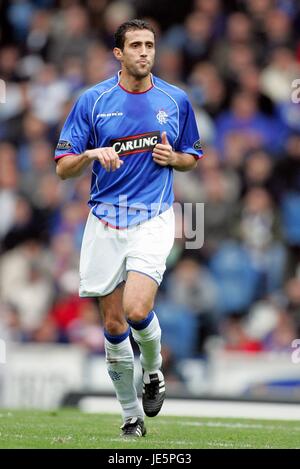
163, 153
106, 156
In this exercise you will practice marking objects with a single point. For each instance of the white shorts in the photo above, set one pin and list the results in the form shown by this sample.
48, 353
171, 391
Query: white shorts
108, 254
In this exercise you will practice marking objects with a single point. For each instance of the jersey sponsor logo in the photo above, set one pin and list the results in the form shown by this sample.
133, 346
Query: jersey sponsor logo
162, 117
64, 145
197, 145
110, 114
135, 143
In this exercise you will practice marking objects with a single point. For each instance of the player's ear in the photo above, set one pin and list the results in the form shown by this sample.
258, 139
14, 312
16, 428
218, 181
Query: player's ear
117, 53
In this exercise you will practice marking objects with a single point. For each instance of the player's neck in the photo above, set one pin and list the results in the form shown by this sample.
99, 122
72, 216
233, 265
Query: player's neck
135, 85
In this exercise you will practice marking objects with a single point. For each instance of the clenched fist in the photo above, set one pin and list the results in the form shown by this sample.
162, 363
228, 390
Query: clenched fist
163, 152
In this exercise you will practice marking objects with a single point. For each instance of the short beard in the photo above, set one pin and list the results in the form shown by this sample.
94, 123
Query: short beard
139, 75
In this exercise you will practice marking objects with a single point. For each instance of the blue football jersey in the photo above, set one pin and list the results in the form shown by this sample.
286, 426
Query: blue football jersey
132, 123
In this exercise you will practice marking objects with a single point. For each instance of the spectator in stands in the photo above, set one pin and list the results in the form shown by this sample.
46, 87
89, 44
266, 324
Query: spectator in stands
235, 337
257, 171
191, 285
71, 36
245, 119
192, 39
292, 291
281, 337
26, 270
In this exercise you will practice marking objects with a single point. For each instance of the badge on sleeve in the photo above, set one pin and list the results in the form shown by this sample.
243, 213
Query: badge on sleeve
64, 145
197, 145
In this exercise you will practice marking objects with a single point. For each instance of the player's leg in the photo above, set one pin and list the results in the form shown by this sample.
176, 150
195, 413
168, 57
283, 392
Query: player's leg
120, 361
138, 300
150, 245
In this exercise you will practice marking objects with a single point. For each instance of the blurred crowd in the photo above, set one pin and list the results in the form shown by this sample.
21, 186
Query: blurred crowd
239, 62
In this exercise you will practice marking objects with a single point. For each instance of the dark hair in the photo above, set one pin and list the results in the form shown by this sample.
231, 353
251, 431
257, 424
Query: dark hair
130, 26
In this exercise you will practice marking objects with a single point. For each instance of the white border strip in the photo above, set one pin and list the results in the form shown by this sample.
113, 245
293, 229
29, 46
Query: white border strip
193, 408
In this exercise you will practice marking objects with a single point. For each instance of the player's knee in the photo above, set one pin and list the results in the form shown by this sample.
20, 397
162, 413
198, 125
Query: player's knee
115, 327
137, 311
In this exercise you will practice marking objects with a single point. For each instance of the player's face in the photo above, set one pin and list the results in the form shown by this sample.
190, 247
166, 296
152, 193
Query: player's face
137, 56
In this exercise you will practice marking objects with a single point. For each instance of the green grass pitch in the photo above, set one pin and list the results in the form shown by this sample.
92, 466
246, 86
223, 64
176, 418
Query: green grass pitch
73, 429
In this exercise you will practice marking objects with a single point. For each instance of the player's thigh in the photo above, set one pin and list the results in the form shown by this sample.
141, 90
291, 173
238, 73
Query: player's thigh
102, 259
112, 312
150, 245
139, 296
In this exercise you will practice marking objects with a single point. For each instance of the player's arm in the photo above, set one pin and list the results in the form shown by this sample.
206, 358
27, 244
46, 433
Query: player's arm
183, 161
71, 166
71, 154
164, 155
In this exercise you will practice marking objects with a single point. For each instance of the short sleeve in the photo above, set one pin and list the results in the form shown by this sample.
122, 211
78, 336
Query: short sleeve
76, 135
189, 139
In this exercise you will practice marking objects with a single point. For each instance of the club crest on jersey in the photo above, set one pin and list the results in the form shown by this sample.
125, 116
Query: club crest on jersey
135, 143
162, 117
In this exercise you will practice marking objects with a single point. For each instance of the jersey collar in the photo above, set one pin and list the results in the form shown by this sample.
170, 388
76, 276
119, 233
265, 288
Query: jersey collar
135, 92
